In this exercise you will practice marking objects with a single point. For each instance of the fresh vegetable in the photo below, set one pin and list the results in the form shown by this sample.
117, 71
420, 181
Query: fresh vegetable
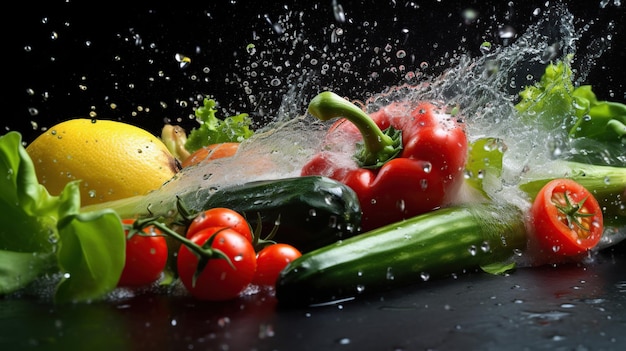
271, 260
213, 130
44, 235
309, 212
220, 217
447, 241
566, 219
415, 165
554, 98
146, 256
175, 138
595, 130
211, 152
220, 272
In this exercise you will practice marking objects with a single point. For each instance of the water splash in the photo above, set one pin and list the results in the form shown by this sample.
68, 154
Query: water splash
482, 89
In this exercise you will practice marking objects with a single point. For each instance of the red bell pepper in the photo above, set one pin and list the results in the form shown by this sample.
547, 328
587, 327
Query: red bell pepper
414, 166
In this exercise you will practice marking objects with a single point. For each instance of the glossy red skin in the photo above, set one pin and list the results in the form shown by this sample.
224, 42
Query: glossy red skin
218, 280
271, 260
146, 257
220, 217
426, 175
556, 237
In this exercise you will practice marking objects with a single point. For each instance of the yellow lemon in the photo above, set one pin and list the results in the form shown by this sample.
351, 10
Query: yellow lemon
113, 160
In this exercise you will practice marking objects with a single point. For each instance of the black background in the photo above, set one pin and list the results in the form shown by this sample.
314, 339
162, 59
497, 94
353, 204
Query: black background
124, 56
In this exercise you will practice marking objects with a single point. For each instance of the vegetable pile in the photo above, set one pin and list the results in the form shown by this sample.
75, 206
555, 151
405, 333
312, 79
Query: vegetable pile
401, 191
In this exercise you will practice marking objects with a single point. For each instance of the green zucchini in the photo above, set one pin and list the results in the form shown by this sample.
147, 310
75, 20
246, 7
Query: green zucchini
310, 212
439, 243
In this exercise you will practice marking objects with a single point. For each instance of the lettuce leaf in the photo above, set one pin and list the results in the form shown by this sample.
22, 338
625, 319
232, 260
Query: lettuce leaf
213, 130
43, 234
557, 104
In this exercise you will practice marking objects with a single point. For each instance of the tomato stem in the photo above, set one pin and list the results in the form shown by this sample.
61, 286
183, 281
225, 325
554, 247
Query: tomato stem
203, 253
572, 211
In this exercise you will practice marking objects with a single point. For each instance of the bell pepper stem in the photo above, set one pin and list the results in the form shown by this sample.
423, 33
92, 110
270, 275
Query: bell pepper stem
378, 146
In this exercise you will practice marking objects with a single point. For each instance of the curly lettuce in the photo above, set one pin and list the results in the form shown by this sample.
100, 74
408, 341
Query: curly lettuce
554, 102
213, 130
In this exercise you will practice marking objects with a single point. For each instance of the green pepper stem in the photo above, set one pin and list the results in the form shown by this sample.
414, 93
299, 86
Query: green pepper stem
378, 146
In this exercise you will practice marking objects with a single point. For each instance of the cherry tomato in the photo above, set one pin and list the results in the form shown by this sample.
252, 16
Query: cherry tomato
146, 257
211, 152
218, 281
567, 218
271, 260
220, 217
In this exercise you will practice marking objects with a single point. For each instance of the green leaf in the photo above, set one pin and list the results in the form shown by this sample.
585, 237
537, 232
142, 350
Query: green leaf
213, 130
43, 234
91, 255
27, 212
484, 164
18, 269
498, 267
557, 105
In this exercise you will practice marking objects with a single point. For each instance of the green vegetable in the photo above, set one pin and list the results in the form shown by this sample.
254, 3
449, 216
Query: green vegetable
606, 183
310, 211
213, 130
43, 235
556, 103
484, 165
439, 243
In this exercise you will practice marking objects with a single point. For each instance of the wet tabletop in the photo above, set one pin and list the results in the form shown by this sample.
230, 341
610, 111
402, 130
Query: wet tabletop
565, 307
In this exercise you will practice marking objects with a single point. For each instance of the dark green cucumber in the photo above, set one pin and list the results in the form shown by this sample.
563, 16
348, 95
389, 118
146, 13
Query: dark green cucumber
431, 245
310, 212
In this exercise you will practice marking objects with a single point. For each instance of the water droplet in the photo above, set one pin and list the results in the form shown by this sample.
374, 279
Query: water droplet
469, 16
401, 205
251, 49
472, 250
389, 274
484, 247
338, 12
485, 47
506, 32
343, 341
183, 61
427, 167
424, 276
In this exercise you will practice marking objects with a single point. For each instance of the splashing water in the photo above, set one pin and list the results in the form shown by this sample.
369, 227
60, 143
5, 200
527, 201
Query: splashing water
483, 90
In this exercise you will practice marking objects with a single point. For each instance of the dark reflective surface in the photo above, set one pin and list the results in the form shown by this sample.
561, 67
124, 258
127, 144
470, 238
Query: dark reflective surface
569, 307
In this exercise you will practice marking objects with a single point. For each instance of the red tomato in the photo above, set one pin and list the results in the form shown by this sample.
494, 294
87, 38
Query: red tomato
271, 260
220, 217
146, 257
567, 218
218, 281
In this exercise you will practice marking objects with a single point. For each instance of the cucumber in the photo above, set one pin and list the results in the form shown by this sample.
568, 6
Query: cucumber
435, 244
310, 212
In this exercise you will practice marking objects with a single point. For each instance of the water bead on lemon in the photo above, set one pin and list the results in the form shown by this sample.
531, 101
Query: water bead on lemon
113, 160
